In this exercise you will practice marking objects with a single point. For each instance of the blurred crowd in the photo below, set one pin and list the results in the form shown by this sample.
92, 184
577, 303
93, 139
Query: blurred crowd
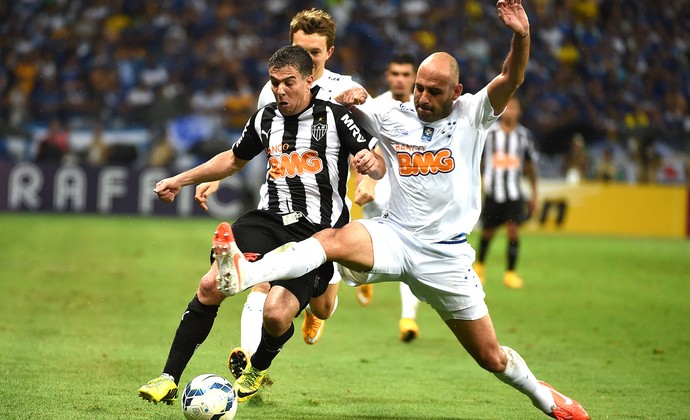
610, 77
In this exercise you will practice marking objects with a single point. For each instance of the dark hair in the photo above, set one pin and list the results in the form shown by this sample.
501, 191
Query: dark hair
404, 58
292, 56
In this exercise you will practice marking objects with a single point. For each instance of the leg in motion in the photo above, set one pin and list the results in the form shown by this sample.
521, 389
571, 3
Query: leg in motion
479, 339
251, 322
194, 327
279, 311
319, 309
409, 330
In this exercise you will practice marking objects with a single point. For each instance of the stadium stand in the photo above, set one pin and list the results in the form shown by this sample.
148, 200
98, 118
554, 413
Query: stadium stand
615, 73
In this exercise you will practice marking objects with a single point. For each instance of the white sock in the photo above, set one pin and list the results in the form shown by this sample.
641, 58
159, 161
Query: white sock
410, 303
518, 375
252, 320
286, 262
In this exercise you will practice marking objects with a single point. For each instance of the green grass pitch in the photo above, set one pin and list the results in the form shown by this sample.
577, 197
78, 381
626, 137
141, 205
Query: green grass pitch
90, 304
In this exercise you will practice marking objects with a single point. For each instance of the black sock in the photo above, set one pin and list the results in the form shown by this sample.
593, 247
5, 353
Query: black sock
483, 248
512, 253
269, 347
194, 327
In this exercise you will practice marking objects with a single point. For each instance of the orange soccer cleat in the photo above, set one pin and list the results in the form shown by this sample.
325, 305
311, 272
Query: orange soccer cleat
312, 328
566, 408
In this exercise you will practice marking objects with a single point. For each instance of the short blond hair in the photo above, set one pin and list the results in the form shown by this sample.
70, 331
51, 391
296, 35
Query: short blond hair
314, 21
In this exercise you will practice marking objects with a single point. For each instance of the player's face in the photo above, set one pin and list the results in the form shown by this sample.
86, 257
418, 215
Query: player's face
315, 45
290, 89
400, 78
434, 94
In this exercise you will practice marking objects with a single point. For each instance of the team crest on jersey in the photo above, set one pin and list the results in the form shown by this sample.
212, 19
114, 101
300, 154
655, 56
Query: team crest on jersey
427, 134
318, 131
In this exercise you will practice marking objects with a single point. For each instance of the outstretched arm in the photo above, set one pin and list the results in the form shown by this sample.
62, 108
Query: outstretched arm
218, 167
503, 86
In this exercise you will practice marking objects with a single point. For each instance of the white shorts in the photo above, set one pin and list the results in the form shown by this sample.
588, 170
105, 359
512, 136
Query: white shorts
440, 274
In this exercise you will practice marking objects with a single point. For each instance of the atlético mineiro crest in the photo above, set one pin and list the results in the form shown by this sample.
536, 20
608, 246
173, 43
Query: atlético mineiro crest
318, 131
427, 134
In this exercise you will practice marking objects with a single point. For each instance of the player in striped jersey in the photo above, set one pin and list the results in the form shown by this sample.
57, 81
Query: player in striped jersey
508, 155
433, 154
315, 31
308, 142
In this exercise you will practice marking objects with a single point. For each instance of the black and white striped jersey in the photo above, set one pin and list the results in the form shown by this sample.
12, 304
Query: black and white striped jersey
308, 158
503, 162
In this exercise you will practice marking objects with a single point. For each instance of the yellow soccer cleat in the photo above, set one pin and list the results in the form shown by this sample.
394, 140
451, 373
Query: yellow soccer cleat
480, 270
512, 280
409, 330
312, 328
249, 383
364, 294
566, 408
160, 389
237, 361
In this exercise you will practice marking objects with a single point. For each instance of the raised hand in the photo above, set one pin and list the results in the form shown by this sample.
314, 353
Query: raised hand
513, 16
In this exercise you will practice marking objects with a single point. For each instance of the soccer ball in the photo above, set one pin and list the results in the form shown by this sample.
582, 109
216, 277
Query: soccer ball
209, 397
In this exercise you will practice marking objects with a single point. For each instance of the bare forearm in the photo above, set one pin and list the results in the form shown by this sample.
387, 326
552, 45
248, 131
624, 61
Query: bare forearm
218, 167
503, 86
515, 64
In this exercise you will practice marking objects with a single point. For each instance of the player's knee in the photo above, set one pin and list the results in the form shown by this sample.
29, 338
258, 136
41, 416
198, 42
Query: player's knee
276, 320
335, 242
492, 360
208, 292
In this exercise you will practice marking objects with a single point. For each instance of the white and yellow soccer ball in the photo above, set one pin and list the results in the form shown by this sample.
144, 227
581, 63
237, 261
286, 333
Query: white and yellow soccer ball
209, 397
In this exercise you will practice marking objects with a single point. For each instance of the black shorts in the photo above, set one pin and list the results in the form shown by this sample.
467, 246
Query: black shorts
495, 214
258, 232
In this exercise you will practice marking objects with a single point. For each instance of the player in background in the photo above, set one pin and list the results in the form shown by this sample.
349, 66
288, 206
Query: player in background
373, 195
307, 142
509, 155
433, 154
315, 31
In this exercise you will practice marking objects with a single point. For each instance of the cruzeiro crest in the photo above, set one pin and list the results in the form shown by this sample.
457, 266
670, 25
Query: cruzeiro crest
319, 130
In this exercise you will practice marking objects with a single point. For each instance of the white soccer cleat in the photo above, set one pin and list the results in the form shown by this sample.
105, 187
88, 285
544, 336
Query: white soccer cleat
229, 259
